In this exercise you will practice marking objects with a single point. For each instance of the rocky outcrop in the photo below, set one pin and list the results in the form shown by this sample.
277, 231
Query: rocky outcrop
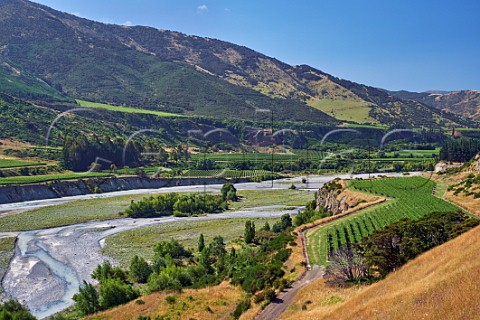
60, 189
331, 197
336, 198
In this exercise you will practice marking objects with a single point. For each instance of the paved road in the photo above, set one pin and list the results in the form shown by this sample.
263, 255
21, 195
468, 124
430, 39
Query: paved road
284, 299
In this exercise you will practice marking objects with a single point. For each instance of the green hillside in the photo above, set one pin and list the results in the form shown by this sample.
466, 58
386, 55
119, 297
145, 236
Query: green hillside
166, 71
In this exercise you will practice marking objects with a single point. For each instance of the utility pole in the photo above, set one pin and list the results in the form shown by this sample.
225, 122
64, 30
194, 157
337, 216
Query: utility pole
369, 169
273, 146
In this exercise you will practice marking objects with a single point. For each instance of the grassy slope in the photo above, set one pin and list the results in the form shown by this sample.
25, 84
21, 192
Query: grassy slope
12, 163
347, 110
189, 304
88, 104
440, 284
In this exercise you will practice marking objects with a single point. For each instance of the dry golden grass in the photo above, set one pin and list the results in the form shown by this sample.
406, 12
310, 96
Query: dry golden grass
295, 265
318, 298
468, 203
440, 284
13, 144
189, 304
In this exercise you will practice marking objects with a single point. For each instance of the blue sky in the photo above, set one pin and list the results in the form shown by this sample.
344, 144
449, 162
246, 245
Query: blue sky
412, 45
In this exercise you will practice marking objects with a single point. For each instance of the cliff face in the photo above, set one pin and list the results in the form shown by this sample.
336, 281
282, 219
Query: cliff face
60, 189
335, 197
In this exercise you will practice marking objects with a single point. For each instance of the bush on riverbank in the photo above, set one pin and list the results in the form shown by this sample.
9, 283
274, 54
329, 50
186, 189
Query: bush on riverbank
178, 205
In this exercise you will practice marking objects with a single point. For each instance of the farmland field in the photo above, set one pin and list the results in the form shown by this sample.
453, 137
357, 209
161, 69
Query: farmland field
226, 173
10, 163
407, 198
50, 177
253, 157
88, 104
348, 110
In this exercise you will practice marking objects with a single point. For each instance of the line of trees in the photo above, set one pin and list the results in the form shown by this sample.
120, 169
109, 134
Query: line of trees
175, 204
460, 150
81, 152
182, 205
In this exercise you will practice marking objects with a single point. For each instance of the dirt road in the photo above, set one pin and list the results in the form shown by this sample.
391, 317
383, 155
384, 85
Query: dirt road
284, 299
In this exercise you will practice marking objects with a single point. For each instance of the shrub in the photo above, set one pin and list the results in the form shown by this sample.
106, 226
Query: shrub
170, 299
241, 308
270, 294
86, 299
140, 270
259, 297
114, 292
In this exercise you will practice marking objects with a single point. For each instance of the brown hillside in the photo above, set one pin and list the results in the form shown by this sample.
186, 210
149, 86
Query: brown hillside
189, 304
440, 284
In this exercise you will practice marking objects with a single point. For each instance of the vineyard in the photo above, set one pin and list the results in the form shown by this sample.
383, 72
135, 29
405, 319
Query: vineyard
50, 177
407, 198
10, 163
225, 173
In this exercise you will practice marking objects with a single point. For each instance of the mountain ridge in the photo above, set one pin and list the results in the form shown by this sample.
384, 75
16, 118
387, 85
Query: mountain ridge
170, 71
464, 103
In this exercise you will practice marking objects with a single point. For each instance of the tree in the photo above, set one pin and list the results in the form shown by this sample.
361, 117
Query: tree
229, 193
13, 310
140, 270
205, 261
266, 227
286, 221
172, 248
105, 271
201, 243
114, 292
249, 233
87, 299
217, 247
346, 266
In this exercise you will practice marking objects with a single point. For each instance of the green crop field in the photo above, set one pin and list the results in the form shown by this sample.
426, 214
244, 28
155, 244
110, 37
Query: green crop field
88, 104
261, 157
409, 197
50, 177
261, 198
9, 163
348, 110
227, 173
